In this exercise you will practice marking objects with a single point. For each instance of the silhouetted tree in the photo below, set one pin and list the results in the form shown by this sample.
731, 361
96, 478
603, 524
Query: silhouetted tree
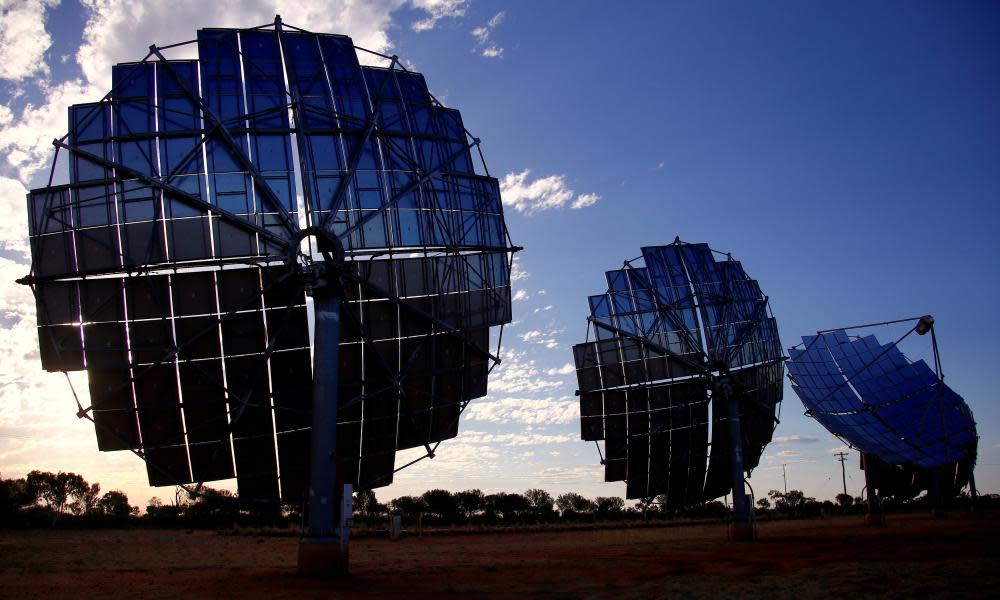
609, 506
14, 497
845, 501
115, 504
159, 514
794, 502
213, 508
409, 506
506, 506
471, 502
85, 498
367, 506
573, 502
56, 489
540, 503
442, 504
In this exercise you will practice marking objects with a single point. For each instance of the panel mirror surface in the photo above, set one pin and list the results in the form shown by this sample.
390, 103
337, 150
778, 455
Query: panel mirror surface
671, 326
880, 402
164, 267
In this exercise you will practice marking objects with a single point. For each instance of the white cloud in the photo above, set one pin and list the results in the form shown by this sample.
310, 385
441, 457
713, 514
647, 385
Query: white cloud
566, 369
121, 30
572, 476
484, 35
14, 223
492, 52
542, 338
795, 439
516, 375
23, 38
514, 439
844, 448
585, 200
543, 193
496, 19
788, 454
520, 295
437, 10
545, 308
27, 140
530, 411
517, 272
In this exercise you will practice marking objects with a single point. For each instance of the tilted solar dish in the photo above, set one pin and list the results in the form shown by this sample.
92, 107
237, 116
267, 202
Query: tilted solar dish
684, 359
209, 203
878, 401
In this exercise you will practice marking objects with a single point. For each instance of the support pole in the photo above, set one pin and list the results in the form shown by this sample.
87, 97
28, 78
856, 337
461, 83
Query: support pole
741, 528
323, 550
874, 518
935, 495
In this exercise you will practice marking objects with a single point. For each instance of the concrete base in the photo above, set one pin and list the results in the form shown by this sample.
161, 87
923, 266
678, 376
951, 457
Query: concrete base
742, 532
877, 520
322, 557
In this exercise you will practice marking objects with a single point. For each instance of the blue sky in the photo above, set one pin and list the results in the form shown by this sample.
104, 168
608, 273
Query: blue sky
846, 154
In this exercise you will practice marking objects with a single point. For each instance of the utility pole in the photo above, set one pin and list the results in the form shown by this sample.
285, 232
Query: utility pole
784, 478
842, 456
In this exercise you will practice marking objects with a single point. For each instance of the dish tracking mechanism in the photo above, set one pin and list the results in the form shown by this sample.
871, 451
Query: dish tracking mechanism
912, 430
275, 264
684, 361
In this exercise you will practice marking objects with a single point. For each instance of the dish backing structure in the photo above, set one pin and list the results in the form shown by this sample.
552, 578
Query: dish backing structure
270, 255
913, 431
681, 376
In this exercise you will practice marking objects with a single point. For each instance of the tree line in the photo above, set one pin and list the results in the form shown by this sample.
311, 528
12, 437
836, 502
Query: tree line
44, 499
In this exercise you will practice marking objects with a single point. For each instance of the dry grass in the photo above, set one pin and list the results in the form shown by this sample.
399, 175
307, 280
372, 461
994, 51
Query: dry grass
838, 557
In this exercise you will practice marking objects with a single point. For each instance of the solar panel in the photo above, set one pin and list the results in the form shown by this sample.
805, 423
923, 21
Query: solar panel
179, 265
883, 404
683, 347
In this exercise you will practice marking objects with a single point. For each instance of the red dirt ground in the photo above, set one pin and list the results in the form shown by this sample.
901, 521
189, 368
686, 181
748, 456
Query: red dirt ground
836, 557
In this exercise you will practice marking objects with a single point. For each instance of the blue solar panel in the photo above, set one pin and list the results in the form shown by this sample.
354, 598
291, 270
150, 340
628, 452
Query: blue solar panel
666, 323
874, 398
168, 252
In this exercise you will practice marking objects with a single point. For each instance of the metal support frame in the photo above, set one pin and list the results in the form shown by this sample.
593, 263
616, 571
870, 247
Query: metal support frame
924, 324
323, 548
711, 368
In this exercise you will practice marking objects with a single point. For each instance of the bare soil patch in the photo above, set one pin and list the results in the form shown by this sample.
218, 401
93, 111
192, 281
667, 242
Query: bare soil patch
835, 557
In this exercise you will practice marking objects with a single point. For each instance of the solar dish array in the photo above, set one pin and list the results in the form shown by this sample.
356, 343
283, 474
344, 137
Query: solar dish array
162, 268
669, 322
873, 397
